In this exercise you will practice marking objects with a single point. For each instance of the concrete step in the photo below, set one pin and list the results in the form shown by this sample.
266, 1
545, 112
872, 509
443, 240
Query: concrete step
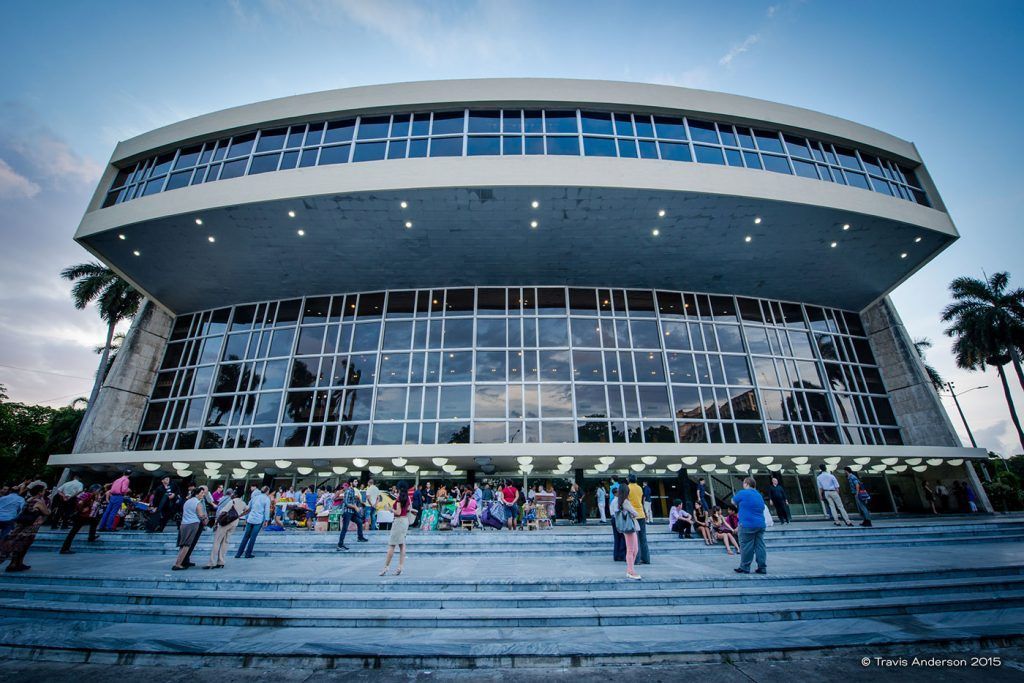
489, 617
237, 578
346, 598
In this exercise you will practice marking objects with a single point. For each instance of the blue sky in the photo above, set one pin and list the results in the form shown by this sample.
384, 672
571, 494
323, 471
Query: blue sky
78, 77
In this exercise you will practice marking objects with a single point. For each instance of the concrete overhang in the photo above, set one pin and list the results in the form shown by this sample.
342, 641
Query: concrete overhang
471, 226
503, 456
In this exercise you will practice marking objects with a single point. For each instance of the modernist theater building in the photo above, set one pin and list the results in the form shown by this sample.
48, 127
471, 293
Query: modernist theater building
554, 279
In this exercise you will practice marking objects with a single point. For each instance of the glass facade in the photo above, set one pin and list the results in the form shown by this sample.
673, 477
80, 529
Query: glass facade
513, 132
517, 365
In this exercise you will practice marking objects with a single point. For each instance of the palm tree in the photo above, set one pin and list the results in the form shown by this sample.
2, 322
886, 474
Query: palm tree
921, 345
116, 299
115, 346
988, 326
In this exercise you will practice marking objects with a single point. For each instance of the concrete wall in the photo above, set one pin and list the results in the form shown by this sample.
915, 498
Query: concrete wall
122, 398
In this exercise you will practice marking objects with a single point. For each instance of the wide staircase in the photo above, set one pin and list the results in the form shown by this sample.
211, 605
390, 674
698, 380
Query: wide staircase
538, 598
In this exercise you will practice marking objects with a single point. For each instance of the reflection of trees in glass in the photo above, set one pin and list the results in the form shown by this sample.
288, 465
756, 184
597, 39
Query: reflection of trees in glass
659, 434
593, 432
461, 436
212, 439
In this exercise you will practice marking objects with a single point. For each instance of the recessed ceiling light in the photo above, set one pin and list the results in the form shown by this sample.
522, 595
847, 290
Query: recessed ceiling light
903, 255
655, 232
834, 245
846, 226
300, 232
747, 238
534, 224
121, 236
199, 221
408, 224
211, 239
916, 240
661, 213
291, 214
757, 221
535, 203
404, 205
136, 252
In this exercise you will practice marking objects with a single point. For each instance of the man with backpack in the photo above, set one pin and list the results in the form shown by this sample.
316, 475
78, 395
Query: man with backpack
860, 496
352, 511
229, 511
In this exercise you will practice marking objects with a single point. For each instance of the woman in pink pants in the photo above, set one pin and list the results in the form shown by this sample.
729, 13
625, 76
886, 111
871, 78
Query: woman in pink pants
624, 515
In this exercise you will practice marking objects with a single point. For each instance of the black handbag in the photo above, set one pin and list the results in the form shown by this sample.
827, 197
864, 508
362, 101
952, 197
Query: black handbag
228, 516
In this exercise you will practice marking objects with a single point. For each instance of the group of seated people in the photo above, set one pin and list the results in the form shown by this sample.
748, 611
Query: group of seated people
714, 526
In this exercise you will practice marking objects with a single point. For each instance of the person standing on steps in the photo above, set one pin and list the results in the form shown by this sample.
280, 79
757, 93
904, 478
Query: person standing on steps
648, 510
636, 498
752, 527
602, 500
257, 518
860, 496
625, 518
702, 494
372, 495
86, 513
26, 525
828, 493
118, 490
62, 505
777, 496
352, 506
229, 511
403, 510
193, 519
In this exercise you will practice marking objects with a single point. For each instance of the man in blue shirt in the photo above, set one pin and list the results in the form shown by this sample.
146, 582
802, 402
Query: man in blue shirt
702, 494
752, 526
11, 506
258, 517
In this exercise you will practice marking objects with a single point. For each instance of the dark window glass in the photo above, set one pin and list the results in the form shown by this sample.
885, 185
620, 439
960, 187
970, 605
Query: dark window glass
599, 147
308, 158
563, 145
797, 146
728, 136
776, 164
315, 134
654, 402
397, 149
751, 159
295, 136
373, 127
745, 137
241, 145
421, 124
857, 180
339, 131
675, 151
703, 131
649, 149
649, 367
623, 124
397, 335
186, 159
560, 121
264, 163
162, 164
180, 179
627, 148
768, 141
805, 169
512, 121
446, 123
483, 146
597, 122
332, 155
369, 151
484, 121
707, 155
271, 139
446, 147
644, 127
733, 157
511, 146
848, 158
669, 127
233, 169
400, 125
288, 160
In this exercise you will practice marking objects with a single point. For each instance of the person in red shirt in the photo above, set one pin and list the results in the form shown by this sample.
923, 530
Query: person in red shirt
118, 490
510, 497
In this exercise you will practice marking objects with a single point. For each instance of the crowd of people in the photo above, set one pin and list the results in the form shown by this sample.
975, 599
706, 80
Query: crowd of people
357, 505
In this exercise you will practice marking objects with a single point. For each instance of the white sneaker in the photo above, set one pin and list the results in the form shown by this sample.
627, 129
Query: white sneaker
634, 577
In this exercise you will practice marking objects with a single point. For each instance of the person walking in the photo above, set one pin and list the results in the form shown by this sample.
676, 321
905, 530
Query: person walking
752, 527
679, 520
636, 498
602, 500
648, 510
87, 505
625, 516
351, 512
229, 511
399, 527
118, 490
972, 498
828, 493
860, 496
372, 496
702, 494
62, 505
164, 501
15, 545
777, 497
11, 506
256, 518
193, 518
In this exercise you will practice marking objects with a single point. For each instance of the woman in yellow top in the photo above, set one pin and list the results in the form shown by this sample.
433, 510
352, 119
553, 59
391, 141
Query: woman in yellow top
636, 499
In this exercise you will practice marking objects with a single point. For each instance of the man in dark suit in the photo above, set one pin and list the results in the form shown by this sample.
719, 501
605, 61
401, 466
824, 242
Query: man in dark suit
165, 500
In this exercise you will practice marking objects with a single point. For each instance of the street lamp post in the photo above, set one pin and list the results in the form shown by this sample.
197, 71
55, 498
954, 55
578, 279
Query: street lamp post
970, 434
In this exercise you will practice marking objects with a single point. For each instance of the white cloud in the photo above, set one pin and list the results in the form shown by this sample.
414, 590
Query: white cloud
772, 10
15, 186
737, 50
53, 159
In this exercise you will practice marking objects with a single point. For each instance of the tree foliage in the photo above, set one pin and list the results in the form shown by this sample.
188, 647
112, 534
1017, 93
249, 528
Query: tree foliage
29, 435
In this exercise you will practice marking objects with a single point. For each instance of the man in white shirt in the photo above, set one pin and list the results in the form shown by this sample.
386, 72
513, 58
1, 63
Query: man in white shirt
372, 496
602, 499
62, 506
828, 493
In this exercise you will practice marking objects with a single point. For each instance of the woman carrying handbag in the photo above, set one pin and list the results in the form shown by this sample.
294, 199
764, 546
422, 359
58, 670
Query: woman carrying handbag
624, 515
